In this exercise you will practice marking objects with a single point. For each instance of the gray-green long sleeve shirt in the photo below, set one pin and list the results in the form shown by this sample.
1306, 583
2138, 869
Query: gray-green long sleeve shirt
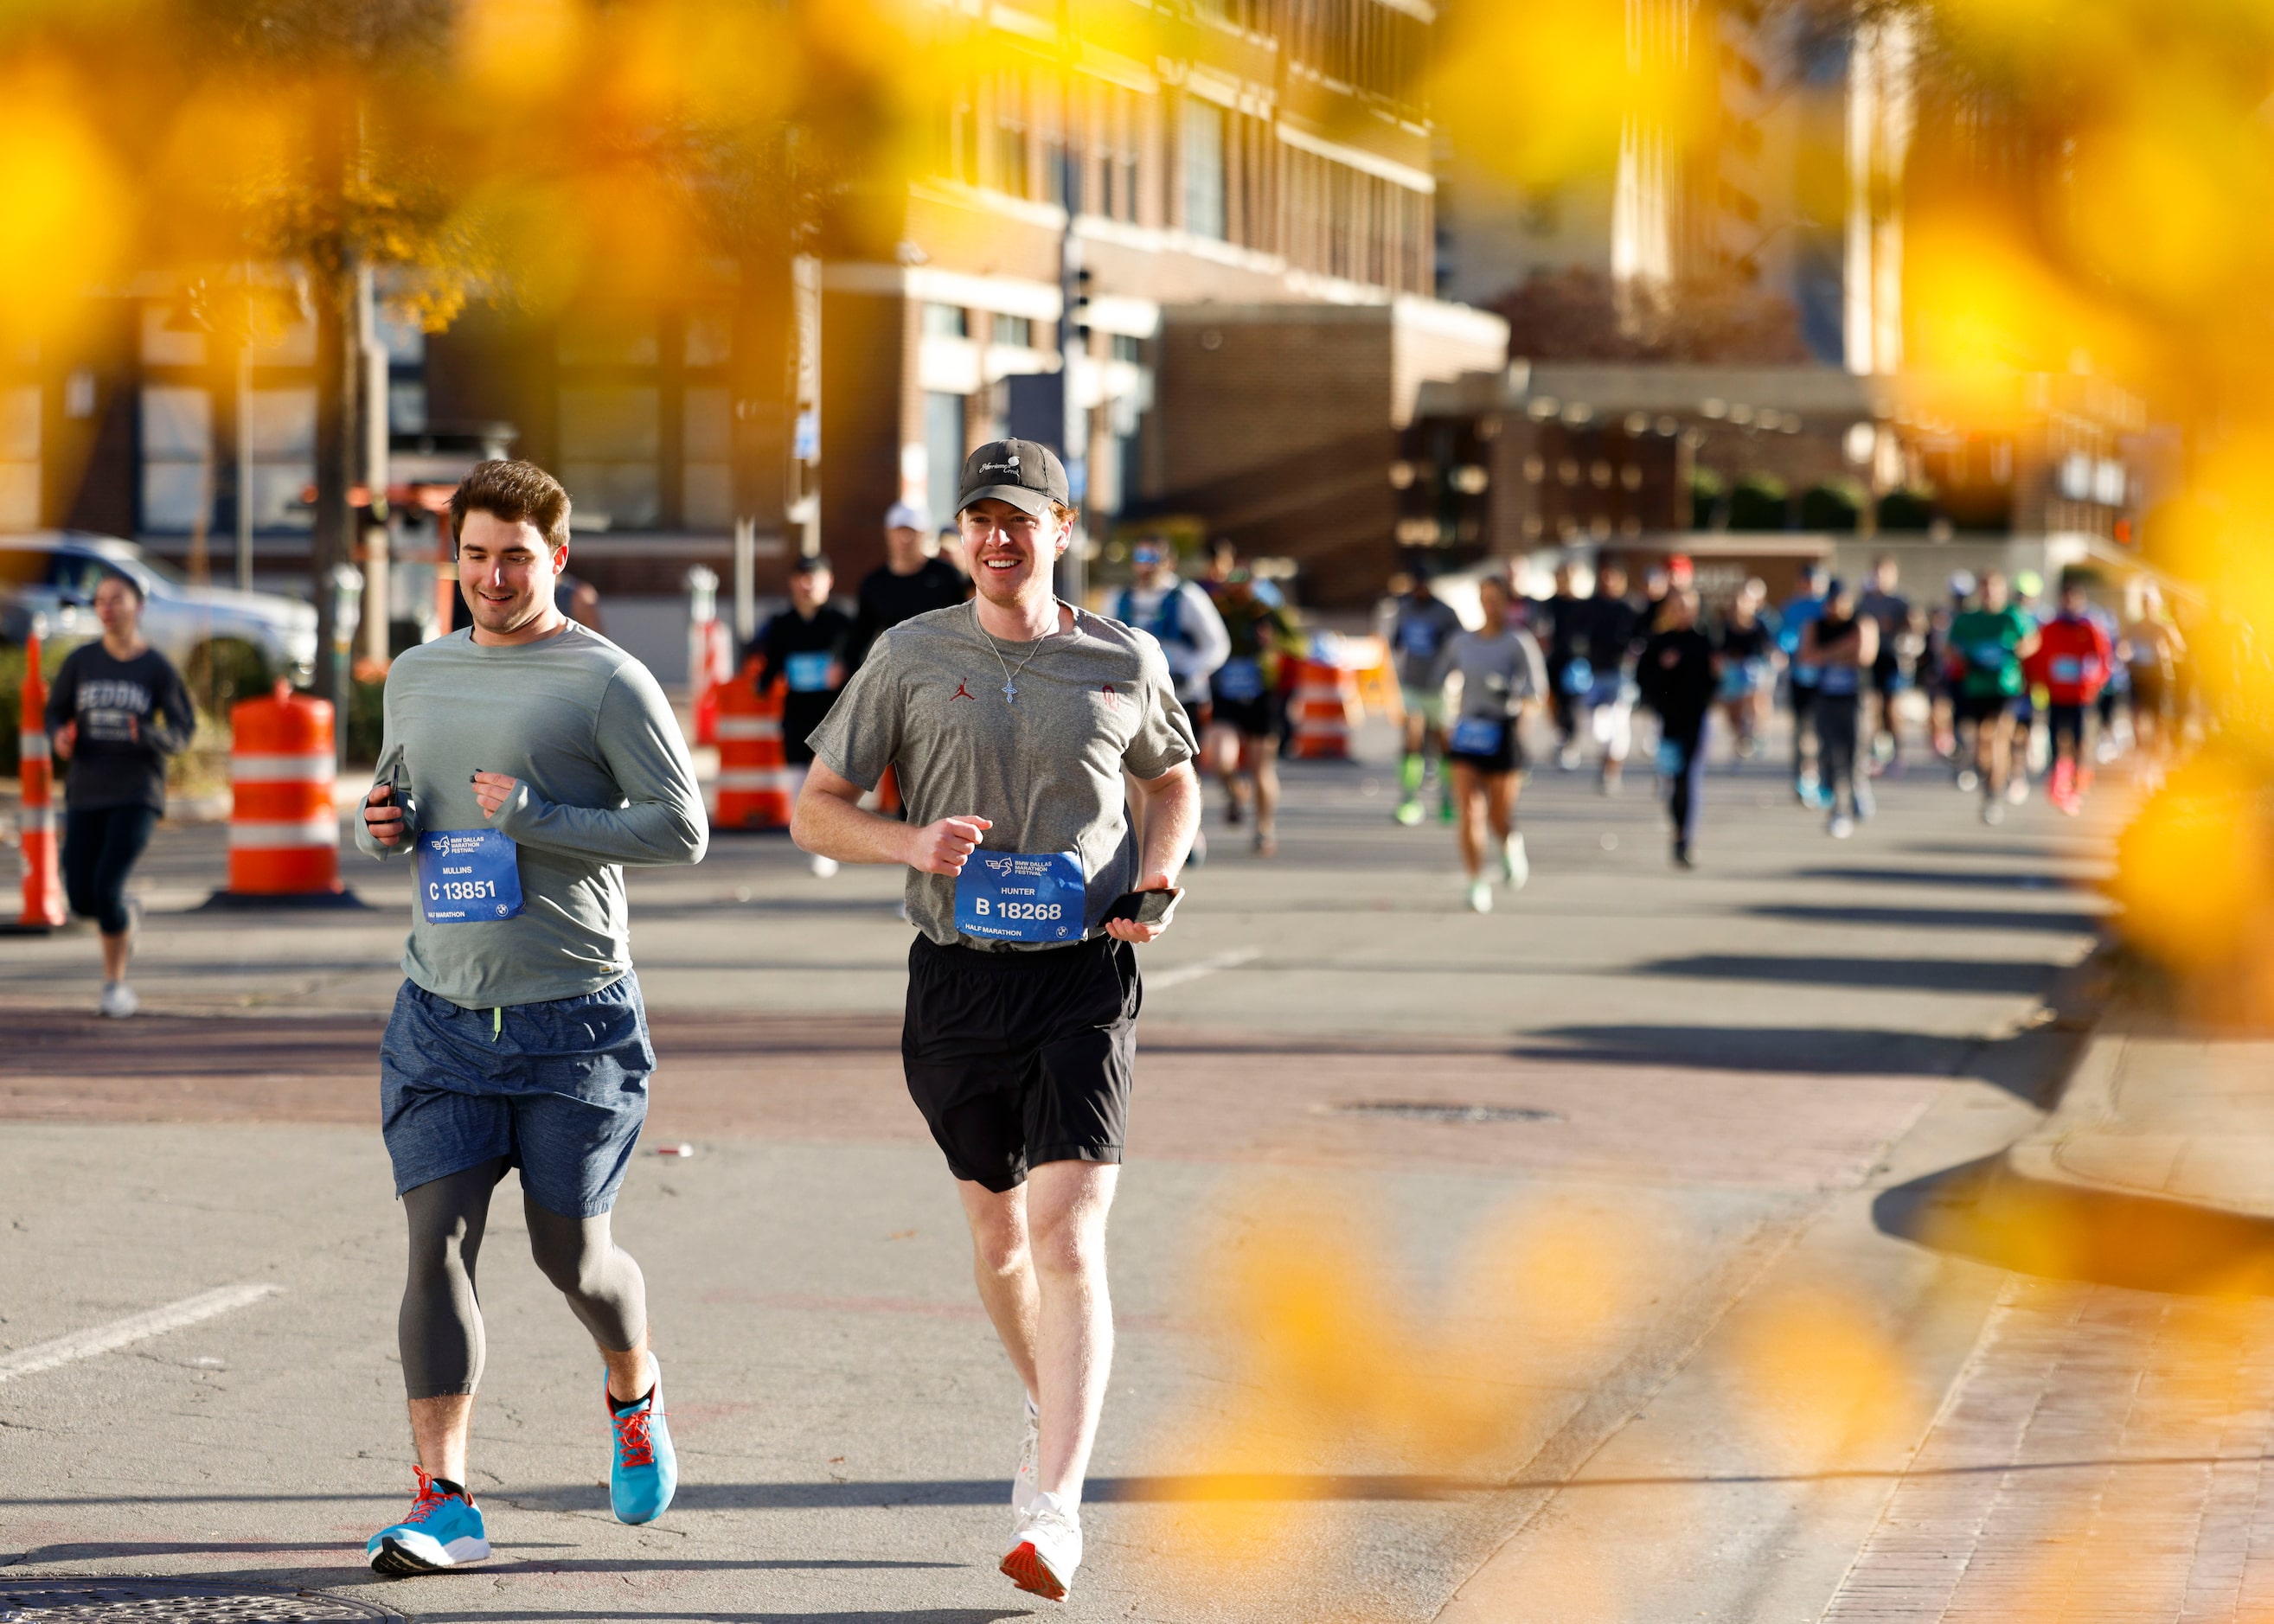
605, 781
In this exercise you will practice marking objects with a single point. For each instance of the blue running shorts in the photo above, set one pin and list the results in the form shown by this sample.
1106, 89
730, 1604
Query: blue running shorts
558, 1089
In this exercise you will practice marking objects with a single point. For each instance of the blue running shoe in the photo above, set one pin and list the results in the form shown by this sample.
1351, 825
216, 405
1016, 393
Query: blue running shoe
444, 1530
644, 1473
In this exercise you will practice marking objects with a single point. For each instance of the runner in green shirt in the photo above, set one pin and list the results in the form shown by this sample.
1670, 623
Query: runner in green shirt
1988, 642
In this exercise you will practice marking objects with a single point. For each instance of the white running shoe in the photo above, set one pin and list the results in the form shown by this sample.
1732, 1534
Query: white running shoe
2018, 790
823, 868
1030, 1461
1968, 780
1993, 811
1515, 866
118, 1001
1046, 1549
1479, 896
1842, 826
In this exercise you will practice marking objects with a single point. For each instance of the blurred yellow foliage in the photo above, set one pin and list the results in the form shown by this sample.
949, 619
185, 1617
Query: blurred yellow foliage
2195, 867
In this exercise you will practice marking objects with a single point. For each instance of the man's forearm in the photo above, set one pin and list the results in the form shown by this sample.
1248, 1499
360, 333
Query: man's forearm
829, 826
1171, 816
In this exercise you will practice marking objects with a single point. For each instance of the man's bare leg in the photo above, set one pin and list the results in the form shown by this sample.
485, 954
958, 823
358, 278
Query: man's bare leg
1040, 1266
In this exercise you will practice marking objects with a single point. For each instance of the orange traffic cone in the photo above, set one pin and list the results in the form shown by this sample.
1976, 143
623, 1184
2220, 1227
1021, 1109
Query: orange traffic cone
43, 889
755, 788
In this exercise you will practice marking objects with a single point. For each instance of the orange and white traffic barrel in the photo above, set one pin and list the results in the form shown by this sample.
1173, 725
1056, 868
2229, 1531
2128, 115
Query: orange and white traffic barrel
756, 789
43, 889
284, 827
1326, 709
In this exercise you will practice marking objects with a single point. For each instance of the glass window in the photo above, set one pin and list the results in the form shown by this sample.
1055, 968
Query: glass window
283, 425
404, 342
611, 436
1016, 330
406, 408
943, 424
608, 338
946, 322
1203, 155
166, 343
1128, 349
710, 338
706, 492
176, 450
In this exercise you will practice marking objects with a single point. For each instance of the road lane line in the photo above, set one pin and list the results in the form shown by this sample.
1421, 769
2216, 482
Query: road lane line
134, 1328
1198, 967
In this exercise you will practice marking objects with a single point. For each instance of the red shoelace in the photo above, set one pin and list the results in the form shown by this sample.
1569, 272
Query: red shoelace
429, 1498
632, 1446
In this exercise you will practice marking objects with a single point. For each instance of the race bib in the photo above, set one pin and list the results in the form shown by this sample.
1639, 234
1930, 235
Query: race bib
808, 673
2066, 668
1477, 735
467, 876
1013, 897
1240, 679
1578, 677
1840, 679
1990, 656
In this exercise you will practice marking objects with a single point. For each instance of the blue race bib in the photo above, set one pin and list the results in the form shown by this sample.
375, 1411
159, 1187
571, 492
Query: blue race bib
1838, 681
1013, 897
1240, 679
1671, 760
1578, 677
467, 876
808, 673
2068, 669
1476, 735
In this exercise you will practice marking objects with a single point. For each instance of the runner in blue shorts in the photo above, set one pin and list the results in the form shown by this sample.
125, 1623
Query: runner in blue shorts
526, 761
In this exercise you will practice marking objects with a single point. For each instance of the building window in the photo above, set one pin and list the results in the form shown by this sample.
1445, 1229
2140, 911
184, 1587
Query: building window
706, 473
19, 457
283, 431
1203, 166
1128, 347
946, 322
943, 432
177, 457
1010, 164
611, 443
1016, 331
405, 343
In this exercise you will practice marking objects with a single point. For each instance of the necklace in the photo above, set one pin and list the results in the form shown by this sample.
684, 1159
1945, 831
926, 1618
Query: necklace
1010, 677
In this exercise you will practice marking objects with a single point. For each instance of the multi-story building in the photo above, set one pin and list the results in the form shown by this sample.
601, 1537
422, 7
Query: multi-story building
1214, 234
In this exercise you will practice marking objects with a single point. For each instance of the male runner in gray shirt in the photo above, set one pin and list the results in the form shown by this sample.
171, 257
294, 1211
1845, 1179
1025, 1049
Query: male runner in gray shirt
1010, 721
537, 758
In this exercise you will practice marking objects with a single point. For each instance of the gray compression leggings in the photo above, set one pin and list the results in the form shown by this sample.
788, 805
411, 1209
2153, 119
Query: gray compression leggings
440, 1328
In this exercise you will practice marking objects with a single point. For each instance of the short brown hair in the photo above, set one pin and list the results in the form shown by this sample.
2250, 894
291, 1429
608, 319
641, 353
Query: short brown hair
514, 492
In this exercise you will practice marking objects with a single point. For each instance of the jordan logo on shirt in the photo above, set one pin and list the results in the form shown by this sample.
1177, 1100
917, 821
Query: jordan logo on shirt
1112, 695
962, 692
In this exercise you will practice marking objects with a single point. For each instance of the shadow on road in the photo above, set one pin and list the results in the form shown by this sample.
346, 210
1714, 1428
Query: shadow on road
1986, 1211
1997, 977
2058, 920
1973, 878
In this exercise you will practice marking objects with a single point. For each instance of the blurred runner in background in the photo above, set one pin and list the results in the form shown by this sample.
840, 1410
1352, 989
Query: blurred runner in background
908, 583
1615, 628
1183, 619
2071, 662
1240, 746
1747, 649
1677, 673
1792, 622
116, 712
1421, 630
2151, 651
1842, 644
1502, 680
1892, 673
1988, 642
808, 647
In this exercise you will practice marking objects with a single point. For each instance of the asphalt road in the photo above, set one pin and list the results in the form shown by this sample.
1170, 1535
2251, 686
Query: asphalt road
1429, 1218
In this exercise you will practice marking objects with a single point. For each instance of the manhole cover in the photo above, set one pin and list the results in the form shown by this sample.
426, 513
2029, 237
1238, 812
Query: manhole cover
1446, 1110
169, 1601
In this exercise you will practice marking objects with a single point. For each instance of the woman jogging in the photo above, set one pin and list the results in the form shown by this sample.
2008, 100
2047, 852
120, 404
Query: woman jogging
1677, 675
1503, 678
1843, 645
116, 710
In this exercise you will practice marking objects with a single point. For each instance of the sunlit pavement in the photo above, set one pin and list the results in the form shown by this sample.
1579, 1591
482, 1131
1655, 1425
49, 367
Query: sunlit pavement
1560, 1263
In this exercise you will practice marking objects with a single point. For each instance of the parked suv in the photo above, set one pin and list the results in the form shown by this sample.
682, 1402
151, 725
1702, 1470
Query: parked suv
217, 638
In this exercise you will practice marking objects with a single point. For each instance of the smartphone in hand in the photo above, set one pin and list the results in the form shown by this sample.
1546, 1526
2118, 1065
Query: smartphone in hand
1145, 907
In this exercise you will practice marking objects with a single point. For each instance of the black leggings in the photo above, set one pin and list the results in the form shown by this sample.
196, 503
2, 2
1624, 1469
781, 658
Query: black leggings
440, 1327
100, 846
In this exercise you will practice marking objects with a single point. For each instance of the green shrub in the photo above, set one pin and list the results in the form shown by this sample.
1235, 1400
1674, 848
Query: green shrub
1707, 490
1761, 502
1835, 505
1906, 510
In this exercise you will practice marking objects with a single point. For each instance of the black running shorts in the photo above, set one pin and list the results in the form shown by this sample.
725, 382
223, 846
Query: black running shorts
1020, 1058
1981, 707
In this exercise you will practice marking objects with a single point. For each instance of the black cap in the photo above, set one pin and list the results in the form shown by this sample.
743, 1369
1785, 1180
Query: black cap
808, 564
1027, 475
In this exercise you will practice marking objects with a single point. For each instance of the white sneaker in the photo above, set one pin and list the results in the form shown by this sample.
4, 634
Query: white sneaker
1515, 866
1046, 1549
118, 1001
1992, 811
1968, 780
1479, 896
824, 867
1030, 1461
1842, 826
2018, 790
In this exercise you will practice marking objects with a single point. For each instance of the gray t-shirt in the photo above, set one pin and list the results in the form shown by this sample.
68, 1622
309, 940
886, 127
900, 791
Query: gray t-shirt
605, 781
1045, 769
1498, 673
